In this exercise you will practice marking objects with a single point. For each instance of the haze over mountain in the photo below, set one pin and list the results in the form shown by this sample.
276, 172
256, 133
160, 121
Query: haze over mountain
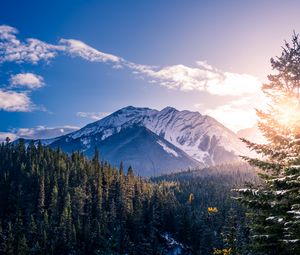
155, 142
253, 134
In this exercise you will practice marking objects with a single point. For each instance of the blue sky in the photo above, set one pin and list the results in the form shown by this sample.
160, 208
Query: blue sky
207, 56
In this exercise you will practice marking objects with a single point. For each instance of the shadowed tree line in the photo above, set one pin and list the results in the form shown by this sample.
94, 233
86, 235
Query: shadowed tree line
54, 203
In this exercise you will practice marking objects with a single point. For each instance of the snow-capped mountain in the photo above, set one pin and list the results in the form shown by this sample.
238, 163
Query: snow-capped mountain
136, 146
172, 140
200, 136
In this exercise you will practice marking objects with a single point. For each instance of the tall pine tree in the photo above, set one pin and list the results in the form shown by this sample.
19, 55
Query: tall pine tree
275, 204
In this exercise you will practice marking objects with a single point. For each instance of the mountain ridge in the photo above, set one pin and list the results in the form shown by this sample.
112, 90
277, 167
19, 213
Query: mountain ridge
199, 137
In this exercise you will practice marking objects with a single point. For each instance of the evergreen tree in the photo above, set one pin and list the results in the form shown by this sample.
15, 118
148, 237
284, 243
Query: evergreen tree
275, 204
9, 240
54, 203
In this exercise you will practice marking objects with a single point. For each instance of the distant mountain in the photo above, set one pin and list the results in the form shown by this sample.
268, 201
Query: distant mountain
155, 141
135, 146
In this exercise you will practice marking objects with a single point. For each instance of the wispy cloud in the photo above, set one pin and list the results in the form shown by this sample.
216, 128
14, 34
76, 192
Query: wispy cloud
31, 50
39, 132
93, 115
80, 49
27, 80
199, 77
43, 132
4, 135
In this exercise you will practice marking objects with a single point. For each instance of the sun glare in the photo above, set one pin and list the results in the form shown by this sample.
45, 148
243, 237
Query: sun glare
289, 113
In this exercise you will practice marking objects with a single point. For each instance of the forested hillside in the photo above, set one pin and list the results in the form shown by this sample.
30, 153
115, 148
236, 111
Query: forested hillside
55, 204
208, 218
52, 203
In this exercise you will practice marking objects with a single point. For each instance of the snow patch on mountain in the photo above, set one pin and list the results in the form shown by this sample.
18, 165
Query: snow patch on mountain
167, 149
199, 136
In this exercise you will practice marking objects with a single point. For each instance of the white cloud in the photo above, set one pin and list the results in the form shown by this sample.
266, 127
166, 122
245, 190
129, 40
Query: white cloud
238, 113
7, 32
15, 101
27, 80
202, 77
39, 132
32, 50
93, 115
4, 135
233, 117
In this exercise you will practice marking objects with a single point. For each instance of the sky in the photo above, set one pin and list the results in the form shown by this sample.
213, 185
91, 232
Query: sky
64, 64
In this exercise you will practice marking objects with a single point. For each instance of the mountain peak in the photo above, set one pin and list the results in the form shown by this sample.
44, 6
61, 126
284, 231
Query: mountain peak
199, 136
131, 108
169, 109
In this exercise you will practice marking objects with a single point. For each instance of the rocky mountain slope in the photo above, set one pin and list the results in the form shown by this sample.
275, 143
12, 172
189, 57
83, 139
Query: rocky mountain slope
156, 140
134, 146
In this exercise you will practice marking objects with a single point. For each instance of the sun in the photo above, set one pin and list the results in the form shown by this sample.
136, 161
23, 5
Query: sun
288, 112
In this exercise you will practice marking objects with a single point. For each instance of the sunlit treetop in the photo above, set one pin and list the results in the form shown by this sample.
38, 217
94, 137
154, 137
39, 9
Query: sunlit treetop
288, 112
284, 86
212, 210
